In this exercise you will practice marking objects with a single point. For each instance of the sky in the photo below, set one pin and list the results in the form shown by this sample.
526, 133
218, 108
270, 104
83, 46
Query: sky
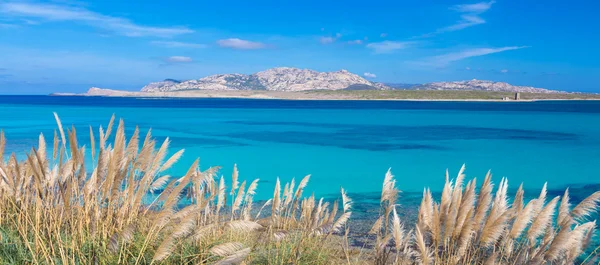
72, 45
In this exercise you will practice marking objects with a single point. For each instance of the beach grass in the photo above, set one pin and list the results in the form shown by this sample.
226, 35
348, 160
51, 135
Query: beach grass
122, 209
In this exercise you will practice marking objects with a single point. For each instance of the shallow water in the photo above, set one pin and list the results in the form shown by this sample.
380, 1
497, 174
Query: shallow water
343, 143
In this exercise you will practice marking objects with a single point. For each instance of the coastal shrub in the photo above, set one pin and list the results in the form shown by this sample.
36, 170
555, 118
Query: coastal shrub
57, 207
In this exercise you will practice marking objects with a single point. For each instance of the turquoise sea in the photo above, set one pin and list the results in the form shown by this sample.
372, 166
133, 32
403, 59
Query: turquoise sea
343, 143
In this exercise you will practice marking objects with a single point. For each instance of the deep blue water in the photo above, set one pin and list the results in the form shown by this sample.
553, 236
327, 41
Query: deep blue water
343, 143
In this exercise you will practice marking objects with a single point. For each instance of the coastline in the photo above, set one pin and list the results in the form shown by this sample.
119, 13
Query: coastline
325, 95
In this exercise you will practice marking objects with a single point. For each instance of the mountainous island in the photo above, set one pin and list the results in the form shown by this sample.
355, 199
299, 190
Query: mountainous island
294, 83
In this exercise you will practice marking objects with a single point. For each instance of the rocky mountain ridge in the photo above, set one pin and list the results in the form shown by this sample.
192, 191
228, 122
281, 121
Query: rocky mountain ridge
294, 79
482, 85
275, 79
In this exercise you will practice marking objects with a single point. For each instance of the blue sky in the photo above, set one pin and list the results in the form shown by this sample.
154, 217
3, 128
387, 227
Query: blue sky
69, 46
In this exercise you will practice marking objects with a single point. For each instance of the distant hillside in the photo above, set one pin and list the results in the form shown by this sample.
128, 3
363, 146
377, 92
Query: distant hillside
401, 85
482, 85
275, 79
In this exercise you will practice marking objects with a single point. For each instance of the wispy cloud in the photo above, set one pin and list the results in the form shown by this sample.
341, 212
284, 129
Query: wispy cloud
8, 26
327, 40
121, 26
235, 43
390, 46
473, 8
177, 44
178, 59
470, 16
370, 75
504, 71
445, 59
355, 42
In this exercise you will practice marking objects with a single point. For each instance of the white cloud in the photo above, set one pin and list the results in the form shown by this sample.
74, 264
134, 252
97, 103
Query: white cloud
474, 8
467, 68
330, 40
470, 16
357, 42
177, 44
467, 21
327, 40
390, 46
445, 59
235, 43
504, 71
179, 59
8, 26
370, 75
121, 26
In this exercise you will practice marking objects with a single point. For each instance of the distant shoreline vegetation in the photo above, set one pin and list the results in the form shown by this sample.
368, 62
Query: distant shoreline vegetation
415, 95
123, 209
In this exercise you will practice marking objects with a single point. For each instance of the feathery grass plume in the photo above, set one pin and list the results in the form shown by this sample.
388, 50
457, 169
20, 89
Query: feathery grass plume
2, 146
234, 180
159, 183
60, 129
518, 202
389, 192
425, 217
184, 228
587, 206
171, 161
376, 228
289, 196
484, 200
340, 222
397, 230
303, 183
343, 219
267, 203
221, 194
237, 203
235, 257
226, 249
455, 202
523, 219
564, 215
123, 237
42, 150
542, 199
244, 226
276, 199
496, 221
424, 256
566, 239
466, 208
92, 143
249, 200
542, 220
346, 201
